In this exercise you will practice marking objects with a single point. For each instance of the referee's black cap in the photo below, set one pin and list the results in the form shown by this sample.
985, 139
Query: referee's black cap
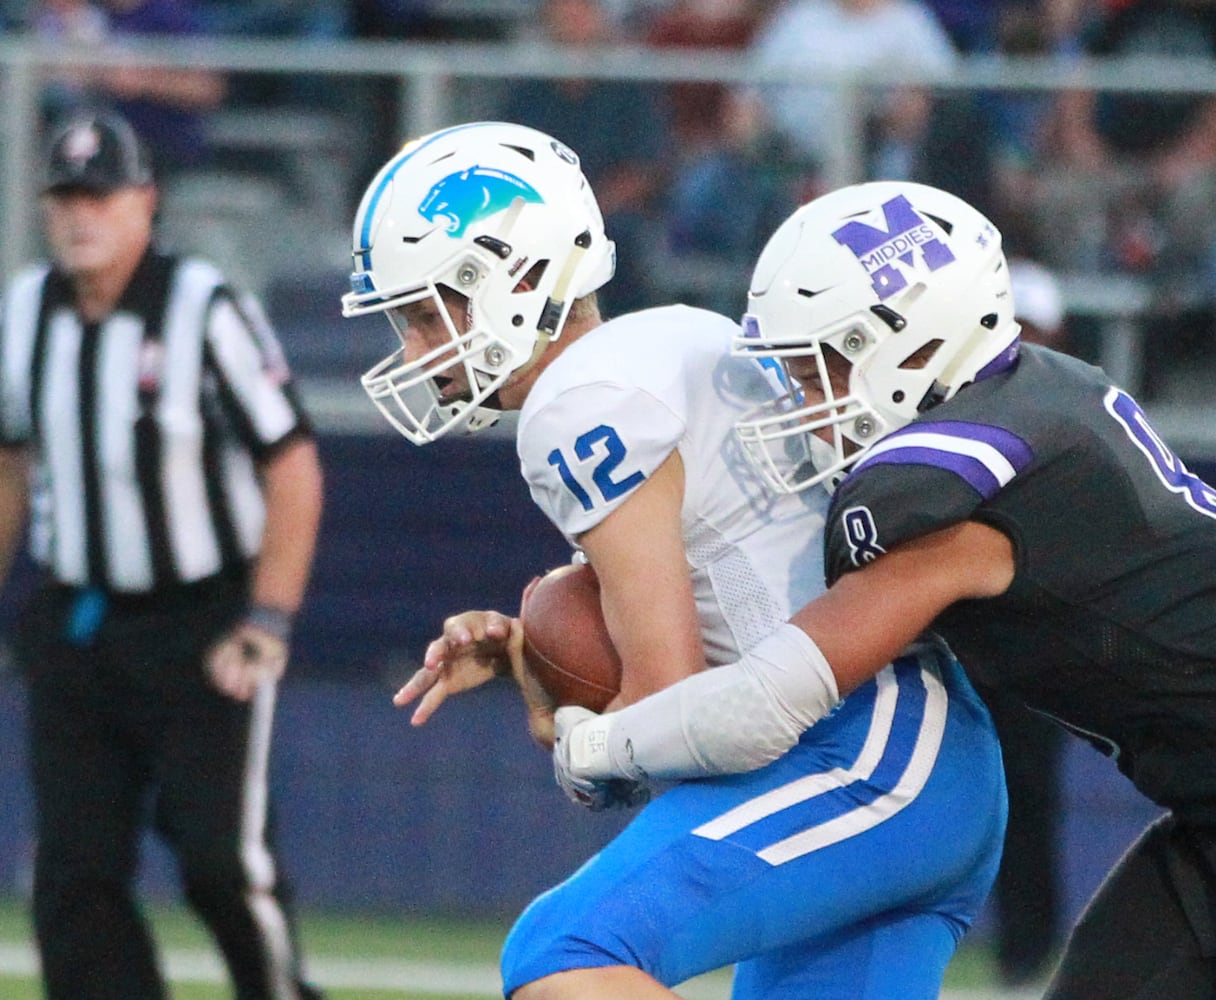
97, 152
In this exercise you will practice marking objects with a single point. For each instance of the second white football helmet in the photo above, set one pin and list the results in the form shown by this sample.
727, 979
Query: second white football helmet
908, 285
500, 214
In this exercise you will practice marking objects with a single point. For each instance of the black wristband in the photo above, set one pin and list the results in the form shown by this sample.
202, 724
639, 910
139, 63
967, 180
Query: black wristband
276, 621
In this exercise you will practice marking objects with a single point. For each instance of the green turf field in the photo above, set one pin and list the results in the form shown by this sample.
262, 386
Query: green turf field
370, 939
367, 957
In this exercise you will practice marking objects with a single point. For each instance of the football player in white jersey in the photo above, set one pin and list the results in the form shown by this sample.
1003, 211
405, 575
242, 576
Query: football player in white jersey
849, 866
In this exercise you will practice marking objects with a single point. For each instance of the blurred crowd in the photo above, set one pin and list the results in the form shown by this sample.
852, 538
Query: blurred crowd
693, 175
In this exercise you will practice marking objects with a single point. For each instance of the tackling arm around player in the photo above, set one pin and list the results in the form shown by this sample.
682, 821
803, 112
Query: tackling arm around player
913, 584
845, 645
843, 642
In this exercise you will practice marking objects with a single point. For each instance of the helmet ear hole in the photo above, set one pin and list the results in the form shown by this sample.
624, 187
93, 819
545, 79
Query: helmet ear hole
532, 279
922, 355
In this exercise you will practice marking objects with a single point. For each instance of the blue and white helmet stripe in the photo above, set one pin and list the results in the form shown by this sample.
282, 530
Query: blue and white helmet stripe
371, 201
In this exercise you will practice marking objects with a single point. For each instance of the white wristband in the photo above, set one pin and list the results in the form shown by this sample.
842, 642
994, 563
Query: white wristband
721, 721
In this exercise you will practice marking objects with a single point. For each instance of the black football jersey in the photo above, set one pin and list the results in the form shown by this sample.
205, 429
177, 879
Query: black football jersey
1110, 622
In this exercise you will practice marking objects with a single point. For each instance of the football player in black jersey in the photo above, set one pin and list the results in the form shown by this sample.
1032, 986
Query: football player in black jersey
1005, 496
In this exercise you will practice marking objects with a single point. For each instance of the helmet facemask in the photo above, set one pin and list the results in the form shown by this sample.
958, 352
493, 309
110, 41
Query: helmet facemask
815, 431
426, 392
414, 386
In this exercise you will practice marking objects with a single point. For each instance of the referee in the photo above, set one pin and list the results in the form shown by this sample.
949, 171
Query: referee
150, 437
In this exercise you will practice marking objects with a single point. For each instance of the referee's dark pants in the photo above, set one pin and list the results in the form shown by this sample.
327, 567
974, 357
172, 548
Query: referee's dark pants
125, 731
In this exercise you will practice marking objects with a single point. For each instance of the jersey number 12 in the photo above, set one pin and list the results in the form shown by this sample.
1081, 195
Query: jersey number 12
603, 443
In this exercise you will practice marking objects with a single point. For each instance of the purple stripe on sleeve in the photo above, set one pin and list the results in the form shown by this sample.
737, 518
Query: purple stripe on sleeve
970, 470
1013, 449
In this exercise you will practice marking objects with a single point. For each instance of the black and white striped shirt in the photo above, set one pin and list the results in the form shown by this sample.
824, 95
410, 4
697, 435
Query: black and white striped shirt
145, 428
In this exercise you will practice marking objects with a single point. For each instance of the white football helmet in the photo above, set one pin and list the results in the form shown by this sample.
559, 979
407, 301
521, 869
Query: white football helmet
908, 284
475, 209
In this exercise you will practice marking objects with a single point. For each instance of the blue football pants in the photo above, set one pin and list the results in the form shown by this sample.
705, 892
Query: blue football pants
849, 868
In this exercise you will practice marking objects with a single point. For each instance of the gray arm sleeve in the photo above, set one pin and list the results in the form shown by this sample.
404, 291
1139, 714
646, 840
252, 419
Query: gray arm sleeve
724, 720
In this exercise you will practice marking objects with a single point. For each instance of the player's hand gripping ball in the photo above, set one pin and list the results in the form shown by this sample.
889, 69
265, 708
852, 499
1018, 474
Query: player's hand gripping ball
566, 643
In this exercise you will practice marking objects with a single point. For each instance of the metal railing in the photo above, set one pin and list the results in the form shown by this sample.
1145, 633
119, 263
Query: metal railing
424, 73
425, 76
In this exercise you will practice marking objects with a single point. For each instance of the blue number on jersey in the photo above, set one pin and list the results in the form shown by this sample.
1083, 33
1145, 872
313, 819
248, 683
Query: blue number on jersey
563, 468
1169, 468
601, 474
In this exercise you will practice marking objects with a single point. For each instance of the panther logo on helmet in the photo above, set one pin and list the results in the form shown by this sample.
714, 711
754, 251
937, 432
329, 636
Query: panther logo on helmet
469, 196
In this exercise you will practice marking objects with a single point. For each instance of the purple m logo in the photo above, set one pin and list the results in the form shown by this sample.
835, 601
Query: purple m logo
881, 251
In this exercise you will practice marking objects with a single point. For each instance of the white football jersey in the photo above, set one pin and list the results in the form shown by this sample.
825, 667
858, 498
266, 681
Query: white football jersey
614, 406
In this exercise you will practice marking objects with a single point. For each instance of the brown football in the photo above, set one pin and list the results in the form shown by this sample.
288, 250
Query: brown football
566, 642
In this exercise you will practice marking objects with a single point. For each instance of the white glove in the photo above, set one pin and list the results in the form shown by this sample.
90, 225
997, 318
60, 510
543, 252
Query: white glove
595, 795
